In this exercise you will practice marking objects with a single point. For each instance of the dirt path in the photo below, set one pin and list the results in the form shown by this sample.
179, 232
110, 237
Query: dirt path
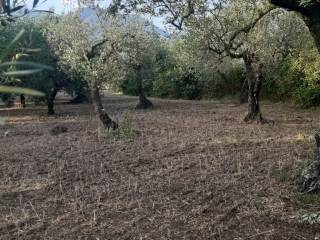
194, 171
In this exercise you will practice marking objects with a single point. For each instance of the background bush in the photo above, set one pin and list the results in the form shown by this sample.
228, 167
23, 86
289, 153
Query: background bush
295, 79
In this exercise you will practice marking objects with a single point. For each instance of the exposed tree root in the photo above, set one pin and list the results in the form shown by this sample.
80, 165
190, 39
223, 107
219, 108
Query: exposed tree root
257, 118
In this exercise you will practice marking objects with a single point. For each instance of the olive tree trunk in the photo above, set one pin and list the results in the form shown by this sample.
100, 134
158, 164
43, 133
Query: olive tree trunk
254, 112
144, 103
244, 91
22, 100
99, 109
51, 97
253, 80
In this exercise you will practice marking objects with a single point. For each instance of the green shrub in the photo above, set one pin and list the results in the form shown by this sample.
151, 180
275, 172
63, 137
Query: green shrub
125, 129
221, 84
189, 86
166, 75
129, 87
307, 96
295, 79
165, 87
179, 86
282, 81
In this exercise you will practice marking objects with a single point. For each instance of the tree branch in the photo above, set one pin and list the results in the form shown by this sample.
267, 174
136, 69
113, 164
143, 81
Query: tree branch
91, 54
247, 28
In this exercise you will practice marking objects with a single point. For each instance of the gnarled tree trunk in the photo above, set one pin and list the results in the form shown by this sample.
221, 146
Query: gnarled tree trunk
244, 91
22, 100
144, 103
99, 110
254, 86
51, 97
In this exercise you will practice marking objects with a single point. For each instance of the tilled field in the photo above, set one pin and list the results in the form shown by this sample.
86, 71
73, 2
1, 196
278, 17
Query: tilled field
193, 170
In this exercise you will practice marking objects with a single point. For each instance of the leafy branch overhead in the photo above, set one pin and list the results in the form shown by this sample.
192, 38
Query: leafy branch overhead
11, 10
175, 12
309, 10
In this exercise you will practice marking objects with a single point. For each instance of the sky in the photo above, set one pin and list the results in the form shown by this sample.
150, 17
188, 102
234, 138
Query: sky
60, 7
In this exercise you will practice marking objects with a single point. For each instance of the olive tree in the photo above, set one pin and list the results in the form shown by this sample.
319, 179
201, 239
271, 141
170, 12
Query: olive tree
218, 32
139, 55
81, 50
309, 10
58, 79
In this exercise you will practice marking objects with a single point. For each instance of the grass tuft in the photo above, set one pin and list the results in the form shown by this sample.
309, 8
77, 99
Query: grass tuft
125, 128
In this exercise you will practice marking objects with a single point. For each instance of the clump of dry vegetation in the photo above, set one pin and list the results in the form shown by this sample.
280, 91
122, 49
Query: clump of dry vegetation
194, 171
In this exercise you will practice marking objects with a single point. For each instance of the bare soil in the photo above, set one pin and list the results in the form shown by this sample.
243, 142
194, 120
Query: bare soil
194, 171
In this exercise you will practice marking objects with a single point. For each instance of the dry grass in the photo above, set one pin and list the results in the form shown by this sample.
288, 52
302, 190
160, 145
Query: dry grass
194, 171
